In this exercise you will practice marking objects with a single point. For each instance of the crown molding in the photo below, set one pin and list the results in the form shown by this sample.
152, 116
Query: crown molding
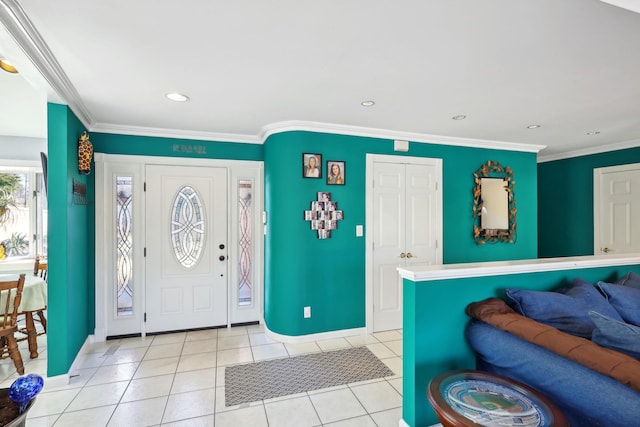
307, 126
593, 150
174, 133
298, 125
36, 49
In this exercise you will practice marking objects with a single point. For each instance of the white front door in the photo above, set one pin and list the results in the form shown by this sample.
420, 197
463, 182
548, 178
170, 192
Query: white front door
406, 228
617, 209
186, 247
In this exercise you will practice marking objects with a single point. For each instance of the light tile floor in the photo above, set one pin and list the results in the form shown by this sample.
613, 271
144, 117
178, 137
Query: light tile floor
178, 380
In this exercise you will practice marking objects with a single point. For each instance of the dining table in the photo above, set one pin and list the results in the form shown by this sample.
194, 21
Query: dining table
34, 299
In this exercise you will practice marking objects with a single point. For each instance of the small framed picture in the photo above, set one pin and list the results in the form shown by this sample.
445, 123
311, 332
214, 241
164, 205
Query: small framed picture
311, 165
336, 172
324, 197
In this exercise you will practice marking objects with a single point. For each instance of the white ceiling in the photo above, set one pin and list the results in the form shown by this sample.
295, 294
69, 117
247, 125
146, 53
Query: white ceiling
251, 66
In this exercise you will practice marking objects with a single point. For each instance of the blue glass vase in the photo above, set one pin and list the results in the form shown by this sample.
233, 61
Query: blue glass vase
24, 389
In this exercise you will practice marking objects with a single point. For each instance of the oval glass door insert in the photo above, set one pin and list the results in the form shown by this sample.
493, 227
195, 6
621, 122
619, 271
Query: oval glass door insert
187, 227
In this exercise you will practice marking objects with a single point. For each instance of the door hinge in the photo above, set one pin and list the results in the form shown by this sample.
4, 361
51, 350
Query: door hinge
145, 252
144, 186
145, 317
436, 244
436, 185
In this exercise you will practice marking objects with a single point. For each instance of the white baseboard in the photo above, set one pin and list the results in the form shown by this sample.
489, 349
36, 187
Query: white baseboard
298, 339
83, 350
63, 379
57, 381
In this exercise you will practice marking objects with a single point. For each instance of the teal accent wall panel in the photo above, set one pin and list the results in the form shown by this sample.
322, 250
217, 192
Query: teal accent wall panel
329, 275
435, 320
71, 245
173, 147
565, 201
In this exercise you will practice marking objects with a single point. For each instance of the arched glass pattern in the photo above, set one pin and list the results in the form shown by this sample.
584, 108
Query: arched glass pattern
245, 249
124, 245
187, 227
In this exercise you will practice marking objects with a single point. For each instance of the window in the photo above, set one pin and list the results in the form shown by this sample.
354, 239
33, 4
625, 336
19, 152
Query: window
187, 227
23, 213
124, 245
245, 247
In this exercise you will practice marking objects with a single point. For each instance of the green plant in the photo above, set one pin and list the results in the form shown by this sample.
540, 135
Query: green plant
17, 244
7, 203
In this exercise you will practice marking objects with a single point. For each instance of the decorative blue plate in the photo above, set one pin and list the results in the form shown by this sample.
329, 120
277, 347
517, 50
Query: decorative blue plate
491, 404
25, 388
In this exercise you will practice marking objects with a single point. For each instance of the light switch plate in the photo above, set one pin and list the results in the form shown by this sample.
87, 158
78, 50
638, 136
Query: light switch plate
359, 231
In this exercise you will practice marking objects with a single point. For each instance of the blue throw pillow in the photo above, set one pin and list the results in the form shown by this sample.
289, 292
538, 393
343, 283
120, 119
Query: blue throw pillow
625, 299
566, 310
616, 335
630, 279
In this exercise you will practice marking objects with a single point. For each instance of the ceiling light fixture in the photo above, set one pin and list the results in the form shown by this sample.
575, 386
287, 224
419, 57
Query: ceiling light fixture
533, 126
367, 103
595, 132
6, 66
459, 117
177, 97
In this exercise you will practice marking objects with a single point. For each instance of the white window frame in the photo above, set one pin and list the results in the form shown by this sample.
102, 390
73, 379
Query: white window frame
32, 168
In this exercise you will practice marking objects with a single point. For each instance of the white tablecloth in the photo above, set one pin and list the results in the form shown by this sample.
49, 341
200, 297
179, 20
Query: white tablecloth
34, 293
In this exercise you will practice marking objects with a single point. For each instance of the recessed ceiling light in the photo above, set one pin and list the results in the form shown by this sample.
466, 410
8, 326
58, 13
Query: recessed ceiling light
6, 66
459, 117
177, 97
367, 103
533, 126
595, 132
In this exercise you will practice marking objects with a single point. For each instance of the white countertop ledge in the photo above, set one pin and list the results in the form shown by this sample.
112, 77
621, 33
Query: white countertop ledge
422, 273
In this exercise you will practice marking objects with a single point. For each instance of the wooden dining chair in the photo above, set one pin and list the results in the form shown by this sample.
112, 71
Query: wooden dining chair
11, 295
40, 269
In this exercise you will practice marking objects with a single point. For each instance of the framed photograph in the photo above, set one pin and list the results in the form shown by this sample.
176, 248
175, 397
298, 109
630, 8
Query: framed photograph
311, 165
336, 172
324, 197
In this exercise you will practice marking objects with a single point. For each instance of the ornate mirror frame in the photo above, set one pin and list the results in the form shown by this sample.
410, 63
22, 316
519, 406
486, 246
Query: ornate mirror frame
493, 169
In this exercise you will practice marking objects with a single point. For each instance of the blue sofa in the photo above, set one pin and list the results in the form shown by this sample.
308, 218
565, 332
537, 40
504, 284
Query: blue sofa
578, 345
586, 397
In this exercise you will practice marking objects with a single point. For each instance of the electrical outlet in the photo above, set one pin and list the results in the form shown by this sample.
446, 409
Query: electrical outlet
307, 312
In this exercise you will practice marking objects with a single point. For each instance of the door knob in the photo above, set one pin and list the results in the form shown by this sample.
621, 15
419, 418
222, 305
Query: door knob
221, 246
402, 255
221, 258
409, 255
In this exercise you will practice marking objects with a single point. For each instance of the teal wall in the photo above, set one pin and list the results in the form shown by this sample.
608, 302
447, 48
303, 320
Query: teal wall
301, 270
170, 147
71, 309
433, 339
329, 275
565, 201
71, 245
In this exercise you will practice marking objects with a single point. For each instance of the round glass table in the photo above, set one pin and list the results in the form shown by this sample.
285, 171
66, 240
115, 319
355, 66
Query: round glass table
475, 398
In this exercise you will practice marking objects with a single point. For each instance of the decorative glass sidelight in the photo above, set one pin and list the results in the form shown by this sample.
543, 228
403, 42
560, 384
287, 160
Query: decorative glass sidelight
187, 227
245, 250
124, 246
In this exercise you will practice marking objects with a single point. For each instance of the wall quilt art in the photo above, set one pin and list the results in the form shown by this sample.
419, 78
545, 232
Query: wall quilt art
324, 215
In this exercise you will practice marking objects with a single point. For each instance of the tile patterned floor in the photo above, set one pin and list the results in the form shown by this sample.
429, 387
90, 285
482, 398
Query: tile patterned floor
178, 380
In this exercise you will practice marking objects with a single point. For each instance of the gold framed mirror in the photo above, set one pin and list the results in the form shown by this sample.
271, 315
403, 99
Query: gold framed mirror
494, 204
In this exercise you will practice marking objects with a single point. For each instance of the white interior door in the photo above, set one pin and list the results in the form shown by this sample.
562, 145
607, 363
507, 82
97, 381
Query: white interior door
389, 242
186, 247
617, 209
406, 229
